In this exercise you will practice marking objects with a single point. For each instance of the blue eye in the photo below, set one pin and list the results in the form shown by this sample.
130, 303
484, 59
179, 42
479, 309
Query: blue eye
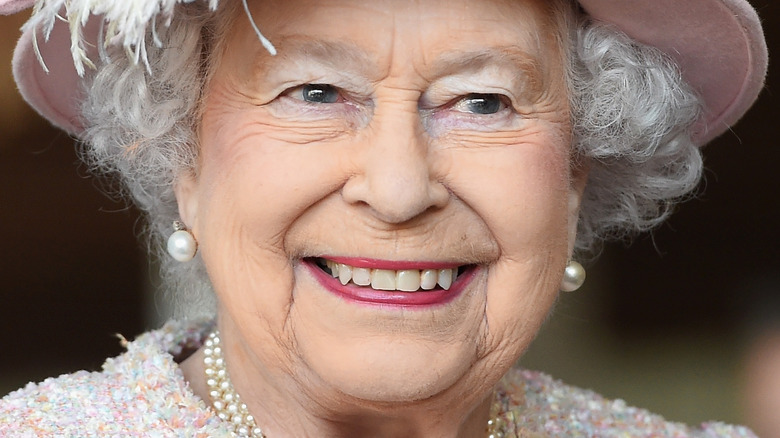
481, 104
318, 93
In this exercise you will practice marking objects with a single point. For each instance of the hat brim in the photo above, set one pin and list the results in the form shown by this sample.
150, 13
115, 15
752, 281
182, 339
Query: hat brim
718, 45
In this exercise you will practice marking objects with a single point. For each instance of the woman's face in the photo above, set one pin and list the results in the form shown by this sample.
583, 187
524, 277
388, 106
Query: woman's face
402, 144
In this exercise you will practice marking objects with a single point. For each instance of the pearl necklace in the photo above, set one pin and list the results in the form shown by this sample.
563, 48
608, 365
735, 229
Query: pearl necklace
225, 399
227, 403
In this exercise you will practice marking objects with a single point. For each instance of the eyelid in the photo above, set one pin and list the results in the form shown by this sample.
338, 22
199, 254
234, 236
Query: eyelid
352, 96
447, 88
461, 103
292, 91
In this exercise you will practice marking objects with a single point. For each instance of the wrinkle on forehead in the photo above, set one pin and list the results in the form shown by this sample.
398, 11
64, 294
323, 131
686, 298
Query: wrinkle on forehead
337, 55
522, 37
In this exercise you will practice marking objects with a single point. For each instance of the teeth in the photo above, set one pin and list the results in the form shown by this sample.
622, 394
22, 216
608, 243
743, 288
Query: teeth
344, 272
382, 279
361, 276
334, 268
429, 278
406, 280
445, 278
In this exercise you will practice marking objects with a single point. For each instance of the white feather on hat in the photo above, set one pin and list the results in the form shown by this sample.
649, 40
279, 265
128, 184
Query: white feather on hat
125, 23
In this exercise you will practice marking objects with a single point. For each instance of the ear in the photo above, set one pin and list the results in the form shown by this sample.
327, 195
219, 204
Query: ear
579, 179
186, 190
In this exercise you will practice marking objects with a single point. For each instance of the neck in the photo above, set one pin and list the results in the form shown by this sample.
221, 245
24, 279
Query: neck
284, 407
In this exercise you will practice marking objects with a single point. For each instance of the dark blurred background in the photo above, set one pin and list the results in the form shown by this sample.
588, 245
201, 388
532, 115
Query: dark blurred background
665, 322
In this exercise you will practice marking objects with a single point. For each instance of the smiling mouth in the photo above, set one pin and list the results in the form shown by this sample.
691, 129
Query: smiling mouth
403, 280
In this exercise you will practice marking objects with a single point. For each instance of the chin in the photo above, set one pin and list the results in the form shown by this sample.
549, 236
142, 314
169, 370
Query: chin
387, 353
389, 370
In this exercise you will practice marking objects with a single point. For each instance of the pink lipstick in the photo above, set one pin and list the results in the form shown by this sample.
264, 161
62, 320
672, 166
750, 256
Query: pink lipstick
380, 292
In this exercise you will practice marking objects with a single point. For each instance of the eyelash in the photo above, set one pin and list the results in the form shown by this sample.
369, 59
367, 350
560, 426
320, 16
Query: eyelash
500, 102
323, 89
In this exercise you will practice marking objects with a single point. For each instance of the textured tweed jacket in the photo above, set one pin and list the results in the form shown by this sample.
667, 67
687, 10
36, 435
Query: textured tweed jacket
142, 393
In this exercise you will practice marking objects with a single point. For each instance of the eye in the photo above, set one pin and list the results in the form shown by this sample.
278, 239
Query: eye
480, 104
315, 93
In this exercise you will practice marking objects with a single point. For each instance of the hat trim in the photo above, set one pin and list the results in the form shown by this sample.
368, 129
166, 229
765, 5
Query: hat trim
754, 79
124, 23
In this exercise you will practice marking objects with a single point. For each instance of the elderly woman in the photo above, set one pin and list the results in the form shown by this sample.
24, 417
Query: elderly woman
375, 204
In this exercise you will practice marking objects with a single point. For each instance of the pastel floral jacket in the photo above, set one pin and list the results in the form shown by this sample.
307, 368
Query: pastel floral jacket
142, 393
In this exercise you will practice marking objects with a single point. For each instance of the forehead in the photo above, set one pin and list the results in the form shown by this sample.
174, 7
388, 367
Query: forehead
424, 33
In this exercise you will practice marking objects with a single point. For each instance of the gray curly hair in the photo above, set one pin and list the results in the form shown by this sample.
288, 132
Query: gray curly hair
631, 114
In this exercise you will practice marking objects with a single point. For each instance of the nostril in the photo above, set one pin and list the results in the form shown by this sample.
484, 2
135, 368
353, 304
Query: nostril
395, 200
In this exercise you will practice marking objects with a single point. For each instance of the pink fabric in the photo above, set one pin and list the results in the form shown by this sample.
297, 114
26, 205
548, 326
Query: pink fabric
56, 95
718, 44
142, 393
8, 7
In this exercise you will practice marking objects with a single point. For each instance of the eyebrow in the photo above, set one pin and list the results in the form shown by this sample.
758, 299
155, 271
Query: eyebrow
335, 55
527, 68
343, 56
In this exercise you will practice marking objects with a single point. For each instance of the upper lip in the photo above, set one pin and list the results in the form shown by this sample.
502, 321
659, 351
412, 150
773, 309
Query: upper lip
387, 276
395, 265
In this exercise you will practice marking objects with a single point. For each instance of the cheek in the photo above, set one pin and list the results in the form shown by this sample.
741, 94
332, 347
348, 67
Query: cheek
251, 188
252, 176
520, 191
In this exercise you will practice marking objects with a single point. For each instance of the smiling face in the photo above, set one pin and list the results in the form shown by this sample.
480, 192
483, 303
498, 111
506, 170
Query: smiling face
385, 208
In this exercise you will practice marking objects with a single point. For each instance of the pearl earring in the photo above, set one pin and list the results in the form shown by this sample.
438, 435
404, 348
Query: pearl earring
573, 277
182, 245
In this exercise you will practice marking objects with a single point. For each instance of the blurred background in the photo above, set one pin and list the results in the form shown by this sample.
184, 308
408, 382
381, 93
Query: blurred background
684, 322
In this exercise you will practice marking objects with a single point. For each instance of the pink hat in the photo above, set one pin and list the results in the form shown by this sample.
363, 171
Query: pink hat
718, 44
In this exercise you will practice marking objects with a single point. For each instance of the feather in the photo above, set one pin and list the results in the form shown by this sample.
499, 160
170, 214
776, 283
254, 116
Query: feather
125, 23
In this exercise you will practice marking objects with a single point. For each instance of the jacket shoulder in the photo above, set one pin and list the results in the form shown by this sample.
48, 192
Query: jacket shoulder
535, 402
139, 393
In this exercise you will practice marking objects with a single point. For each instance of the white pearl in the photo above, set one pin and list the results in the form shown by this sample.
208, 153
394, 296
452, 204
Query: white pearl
573, 277
182, 246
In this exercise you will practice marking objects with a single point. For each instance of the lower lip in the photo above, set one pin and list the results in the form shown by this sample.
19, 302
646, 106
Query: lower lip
364, 294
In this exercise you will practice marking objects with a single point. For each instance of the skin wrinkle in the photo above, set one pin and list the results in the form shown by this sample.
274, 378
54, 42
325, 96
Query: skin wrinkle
298, 349
625, 194
526, 74
288, 130
332, 55
417, 234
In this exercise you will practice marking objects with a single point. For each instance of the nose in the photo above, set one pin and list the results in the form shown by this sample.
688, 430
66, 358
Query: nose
395, 178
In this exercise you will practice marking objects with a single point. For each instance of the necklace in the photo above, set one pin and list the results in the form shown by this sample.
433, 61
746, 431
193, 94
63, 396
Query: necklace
229, 407
224, 398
